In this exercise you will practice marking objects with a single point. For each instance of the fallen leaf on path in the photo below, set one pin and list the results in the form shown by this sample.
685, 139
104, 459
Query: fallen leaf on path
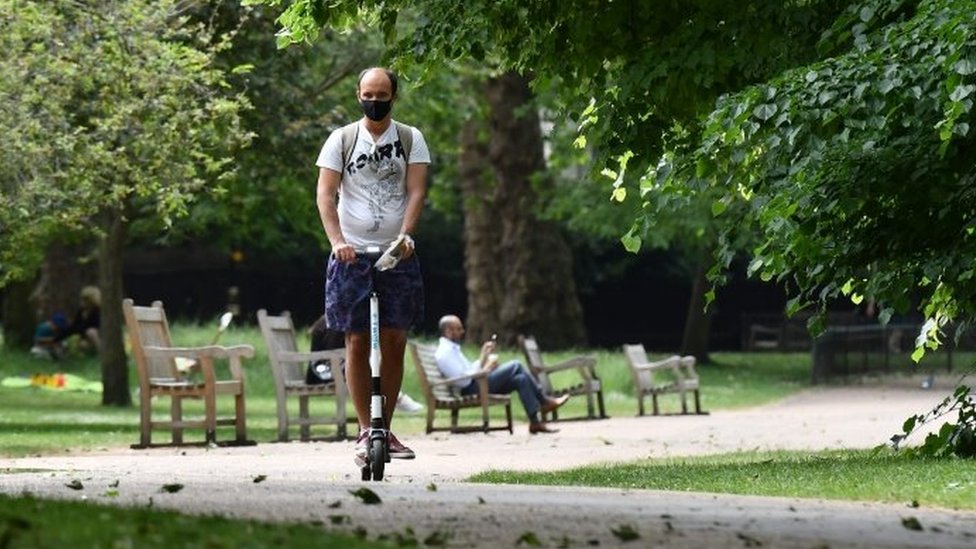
748, 540
437, 539
260, 478
912, 523
75, 485
368, 496
172, 488
625, 532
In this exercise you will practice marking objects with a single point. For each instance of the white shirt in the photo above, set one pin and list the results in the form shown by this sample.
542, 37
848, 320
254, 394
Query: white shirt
372, 193
452, 362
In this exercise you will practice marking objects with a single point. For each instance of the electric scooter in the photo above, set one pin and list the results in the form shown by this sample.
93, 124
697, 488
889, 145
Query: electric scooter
378, 449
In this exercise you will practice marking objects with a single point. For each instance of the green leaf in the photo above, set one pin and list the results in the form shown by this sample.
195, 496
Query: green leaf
867, 12
793, 306
631, 242
765, 111
754, 266
848, 287
965, 67
619, 194
917, 354
961, 92
718, 208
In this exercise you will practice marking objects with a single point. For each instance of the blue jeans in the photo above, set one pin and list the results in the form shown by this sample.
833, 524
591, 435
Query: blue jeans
509, 377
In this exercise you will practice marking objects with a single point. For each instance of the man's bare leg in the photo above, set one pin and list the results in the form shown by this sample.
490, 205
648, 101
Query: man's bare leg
393, 341
358, 374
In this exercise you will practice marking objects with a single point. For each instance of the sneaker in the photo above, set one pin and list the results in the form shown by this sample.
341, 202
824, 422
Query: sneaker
398, 450
408, 405
362, 447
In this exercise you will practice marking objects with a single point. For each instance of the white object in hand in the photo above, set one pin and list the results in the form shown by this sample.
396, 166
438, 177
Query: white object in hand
392, 255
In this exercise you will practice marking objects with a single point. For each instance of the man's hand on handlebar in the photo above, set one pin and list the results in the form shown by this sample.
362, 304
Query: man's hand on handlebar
344, 252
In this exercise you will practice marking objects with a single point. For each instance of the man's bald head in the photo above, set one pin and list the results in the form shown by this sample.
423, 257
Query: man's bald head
448, 323
376, 76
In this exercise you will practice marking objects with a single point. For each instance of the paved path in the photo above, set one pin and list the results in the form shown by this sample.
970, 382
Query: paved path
311, 482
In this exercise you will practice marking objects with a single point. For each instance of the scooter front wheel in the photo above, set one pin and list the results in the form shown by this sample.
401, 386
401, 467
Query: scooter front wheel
377, 457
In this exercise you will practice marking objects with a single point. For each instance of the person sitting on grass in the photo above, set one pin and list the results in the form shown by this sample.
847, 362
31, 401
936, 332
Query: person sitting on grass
502, 379
86, 322
51, 335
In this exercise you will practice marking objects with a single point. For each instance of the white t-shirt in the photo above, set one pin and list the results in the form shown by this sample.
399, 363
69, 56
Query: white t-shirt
452, 362
372, 193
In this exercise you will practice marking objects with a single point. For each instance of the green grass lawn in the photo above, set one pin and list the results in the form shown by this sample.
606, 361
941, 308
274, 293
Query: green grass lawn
40, 421
35, 523
37, 421
864, 475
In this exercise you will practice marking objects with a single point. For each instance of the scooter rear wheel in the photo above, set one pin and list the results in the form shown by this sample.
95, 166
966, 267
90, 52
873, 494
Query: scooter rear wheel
377, 457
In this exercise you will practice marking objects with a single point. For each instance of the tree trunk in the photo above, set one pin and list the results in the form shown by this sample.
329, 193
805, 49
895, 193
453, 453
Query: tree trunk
698, 322
115, 370
19, 316
481, 231
67, 268
533, 291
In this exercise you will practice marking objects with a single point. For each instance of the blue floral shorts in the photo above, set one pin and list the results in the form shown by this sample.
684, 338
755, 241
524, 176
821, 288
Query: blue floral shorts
347, 289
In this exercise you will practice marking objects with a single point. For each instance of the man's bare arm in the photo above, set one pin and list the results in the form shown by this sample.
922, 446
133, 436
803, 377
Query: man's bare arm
325, 198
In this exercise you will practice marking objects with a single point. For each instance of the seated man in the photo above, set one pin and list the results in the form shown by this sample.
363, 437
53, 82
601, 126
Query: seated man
503, 379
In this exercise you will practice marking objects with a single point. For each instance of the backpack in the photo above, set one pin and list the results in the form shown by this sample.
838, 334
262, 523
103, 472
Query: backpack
350, 132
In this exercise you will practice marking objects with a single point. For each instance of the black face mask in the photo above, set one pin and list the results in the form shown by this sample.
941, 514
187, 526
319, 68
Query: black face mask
376, 110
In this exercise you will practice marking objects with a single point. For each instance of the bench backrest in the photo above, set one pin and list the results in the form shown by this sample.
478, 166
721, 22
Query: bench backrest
279, 335
637, 355
147, 327
533, 357
427, 371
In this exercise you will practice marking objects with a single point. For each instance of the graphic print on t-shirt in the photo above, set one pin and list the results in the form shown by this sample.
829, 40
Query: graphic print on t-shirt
382, 175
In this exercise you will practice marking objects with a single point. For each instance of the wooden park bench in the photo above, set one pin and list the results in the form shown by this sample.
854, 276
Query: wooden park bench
588, 385
441, 394
289, 367
156, 358
675, 374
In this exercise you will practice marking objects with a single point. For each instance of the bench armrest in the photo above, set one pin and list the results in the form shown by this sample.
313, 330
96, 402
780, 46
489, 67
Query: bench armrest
204, 356
670, 363
452, 380
311, 356
195, 353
